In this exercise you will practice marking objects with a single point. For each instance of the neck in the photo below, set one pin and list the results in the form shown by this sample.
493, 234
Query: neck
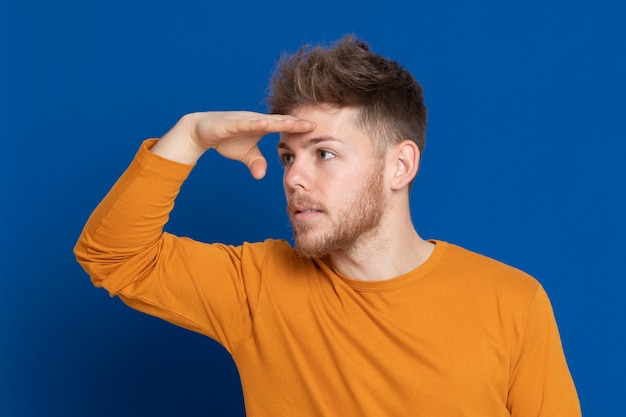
391, 250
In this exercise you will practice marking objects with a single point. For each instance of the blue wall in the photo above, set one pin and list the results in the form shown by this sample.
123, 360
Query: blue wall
525, 163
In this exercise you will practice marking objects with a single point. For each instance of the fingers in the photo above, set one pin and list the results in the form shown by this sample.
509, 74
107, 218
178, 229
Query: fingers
298, 126
212, 128
275, 124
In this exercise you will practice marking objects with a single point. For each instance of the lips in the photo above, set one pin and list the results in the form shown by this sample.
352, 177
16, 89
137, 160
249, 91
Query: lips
304, 211
298, 210
306, 216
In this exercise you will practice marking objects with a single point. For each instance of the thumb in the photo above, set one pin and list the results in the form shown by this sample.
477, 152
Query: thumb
256, 163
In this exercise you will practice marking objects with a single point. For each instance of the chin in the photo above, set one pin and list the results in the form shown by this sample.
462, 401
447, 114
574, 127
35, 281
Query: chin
310, 246
306, 250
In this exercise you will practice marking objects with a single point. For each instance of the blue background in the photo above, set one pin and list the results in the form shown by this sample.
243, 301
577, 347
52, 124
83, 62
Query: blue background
524, 163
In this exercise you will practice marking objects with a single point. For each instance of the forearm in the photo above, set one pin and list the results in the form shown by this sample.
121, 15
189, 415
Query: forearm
130, 219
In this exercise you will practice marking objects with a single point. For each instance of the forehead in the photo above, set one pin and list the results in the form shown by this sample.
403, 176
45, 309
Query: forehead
331, 124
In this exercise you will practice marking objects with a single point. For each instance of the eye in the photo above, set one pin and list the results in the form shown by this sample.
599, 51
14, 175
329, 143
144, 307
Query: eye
324, 154
286, 158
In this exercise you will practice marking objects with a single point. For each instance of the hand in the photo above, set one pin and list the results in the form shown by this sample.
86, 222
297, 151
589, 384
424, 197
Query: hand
234, 135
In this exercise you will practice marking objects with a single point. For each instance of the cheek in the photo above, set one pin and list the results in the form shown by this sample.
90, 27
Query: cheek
353, 177
342, 189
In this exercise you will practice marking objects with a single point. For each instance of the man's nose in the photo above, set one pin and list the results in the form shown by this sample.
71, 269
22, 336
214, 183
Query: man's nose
297, 176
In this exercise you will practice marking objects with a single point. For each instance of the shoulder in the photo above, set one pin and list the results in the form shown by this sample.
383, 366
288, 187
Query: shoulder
485, 272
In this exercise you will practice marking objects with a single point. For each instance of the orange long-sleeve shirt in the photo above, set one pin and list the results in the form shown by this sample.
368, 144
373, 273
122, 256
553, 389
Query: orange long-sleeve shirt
462, 335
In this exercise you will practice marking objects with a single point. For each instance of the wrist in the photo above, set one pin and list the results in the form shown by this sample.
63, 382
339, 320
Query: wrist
182, 150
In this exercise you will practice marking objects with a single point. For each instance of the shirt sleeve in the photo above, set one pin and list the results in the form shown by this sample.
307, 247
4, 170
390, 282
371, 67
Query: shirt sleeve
541, 384
194, 285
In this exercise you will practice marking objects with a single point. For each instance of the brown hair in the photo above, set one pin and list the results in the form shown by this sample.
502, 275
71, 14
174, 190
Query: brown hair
389, 99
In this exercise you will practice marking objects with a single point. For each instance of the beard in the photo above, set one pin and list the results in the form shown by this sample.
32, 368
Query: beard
359, 216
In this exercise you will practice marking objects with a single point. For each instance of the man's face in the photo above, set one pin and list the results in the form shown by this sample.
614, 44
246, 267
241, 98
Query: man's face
333, 182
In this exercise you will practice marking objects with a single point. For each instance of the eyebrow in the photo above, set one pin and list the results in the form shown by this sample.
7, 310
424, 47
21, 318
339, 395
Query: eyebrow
310, 142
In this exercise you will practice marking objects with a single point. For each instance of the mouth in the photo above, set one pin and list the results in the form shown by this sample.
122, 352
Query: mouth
301, 213
307, 211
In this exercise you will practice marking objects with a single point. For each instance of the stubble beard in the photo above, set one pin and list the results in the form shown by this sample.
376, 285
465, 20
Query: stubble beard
356, 219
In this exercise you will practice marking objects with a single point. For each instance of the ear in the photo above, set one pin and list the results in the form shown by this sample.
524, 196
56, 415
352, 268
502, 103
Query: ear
405, 163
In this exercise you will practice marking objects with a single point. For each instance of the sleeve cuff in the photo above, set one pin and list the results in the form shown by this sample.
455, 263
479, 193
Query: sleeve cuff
160, 166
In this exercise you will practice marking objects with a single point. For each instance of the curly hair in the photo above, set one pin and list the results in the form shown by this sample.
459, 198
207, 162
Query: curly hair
388, 99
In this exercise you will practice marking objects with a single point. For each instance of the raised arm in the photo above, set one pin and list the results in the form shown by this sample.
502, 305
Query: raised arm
123, 247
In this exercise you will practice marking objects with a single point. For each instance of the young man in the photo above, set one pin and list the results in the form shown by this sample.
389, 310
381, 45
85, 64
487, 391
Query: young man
362, 317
